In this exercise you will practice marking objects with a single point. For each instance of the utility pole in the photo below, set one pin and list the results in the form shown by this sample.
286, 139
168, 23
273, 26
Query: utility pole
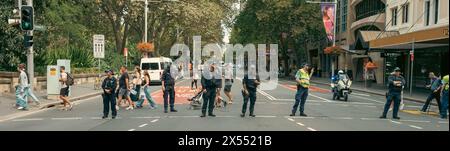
30, 52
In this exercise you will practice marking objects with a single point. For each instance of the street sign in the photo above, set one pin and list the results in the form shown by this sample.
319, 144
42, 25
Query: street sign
99, 46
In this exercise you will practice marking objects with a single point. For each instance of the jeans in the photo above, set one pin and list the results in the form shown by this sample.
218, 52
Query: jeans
430, 98
169, 92
444, 105
109, 101
149, 98
300, 98
30, 93
208, 101
252, 97
396, 97
20, 98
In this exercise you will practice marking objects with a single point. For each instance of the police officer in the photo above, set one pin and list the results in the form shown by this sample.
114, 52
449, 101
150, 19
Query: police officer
302, 77
395, 85
209, 87
109, 100
168, 87
249, 85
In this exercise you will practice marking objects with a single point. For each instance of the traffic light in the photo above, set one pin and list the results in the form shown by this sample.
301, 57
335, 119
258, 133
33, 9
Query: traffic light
27, 41
27, 20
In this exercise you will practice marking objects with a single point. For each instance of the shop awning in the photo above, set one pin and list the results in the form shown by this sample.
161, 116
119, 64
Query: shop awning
364, 37
422, 39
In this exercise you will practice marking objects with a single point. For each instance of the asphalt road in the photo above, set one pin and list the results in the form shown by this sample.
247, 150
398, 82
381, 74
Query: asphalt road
360, 113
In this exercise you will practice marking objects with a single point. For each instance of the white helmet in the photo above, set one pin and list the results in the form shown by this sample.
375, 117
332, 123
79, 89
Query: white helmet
340, 72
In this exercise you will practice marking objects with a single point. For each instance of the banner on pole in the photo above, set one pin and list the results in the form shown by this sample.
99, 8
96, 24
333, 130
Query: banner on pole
328, 18
99, 46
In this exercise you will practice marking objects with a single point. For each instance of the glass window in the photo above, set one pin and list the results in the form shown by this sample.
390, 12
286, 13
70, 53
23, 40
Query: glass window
394, 16
427, 13
150, 66
368, 8
405, 13
436, 11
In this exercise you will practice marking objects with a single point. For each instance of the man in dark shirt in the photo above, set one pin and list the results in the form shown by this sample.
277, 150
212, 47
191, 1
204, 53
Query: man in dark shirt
249, 91
395, 84
109, 100
209, 87
124, 88
168, 87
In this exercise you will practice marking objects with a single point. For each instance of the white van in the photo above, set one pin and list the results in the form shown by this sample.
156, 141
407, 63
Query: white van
155, 67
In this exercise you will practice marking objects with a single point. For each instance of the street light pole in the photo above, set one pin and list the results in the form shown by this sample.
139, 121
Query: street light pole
146, 24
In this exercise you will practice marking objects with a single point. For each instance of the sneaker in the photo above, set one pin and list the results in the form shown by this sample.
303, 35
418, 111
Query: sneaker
397, 118
103, 117
70, 106
173, 110
303, 114
252, 115
382, 117
20, 108
293, 114
165, 111
113, 117
242, 115
203, 115
212, 115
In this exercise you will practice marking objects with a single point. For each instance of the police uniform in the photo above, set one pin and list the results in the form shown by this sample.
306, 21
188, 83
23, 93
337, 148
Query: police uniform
169, 91
210, 85
394, 94
109, 99
302, 91
250, 85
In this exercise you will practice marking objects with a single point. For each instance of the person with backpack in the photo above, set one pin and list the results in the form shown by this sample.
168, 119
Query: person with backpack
66, 80
302, 77
444, 97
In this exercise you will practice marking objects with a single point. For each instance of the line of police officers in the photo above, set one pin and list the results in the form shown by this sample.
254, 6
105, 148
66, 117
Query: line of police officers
211, 83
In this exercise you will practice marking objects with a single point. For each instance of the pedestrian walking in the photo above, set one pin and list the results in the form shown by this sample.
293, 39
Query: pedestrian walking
124, 89
66, 80
209, 88
168, 87
138, 80
148, 96
444, 97
435, 92
228, 82
25, 83
395, 85
21, 102
249, 85
302, 77
109, 100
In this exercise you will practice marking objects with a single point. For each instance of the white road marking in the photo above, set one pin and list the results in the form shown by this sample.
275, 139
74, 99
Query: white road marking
147, 117
301, 124
326, 100
301, 117
95, 118
371, 106
342, 118
396, 122
443, 122
30, 119
67, 118
416, 127
280, 103
226, 116
416, 121
373, 119
143, 125
290, 119
131, 130
153, 121
183, 116
266, 116
360, 94
370, 99
311, 129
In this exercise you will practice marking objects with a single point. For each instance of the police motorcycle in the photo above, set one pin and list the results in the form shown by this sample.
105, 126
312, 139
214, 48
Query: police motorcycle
340, 86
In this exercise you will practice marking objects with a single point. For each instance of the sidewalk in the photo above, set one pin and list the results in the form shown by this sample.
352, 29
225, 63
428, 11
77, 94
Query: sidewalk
378, 89
78, 92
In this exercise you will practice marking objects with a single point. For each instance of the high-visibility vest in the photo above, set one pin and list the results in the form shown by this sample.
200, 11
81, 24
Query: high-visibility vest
445, 81
303, 76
